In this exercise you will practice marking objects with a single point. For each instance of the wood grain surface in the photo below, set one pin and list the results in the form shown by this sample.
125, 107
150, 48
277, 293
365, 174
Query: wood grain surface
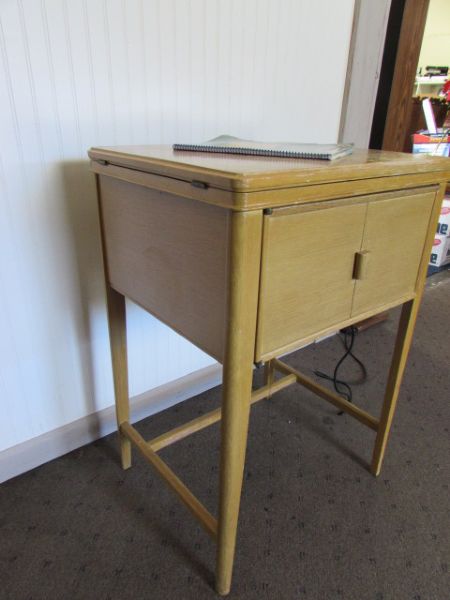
187, 238
306, 272
248, 174
394, 237
408, 52
169, 255
328, 263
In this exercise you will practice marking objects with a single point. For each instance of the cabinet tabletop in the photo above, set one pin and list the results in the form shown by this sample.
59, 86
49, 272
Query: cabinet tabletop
252, 173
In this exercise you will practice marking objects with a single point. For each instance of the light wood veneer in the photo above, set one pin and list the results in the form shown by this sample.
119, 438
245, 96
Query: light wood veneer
250, 258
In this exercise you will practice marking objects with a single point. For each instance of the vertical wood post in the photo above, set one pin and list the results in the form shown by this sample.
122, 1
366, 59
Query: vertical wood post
245, 250
401, 349
268, 375
118, 343
408, 51
403, 342
116, 312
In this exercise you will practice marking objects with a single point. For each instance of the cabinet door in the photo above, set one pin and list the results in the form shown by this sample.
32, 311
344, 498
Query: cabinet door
393, 243
306, 272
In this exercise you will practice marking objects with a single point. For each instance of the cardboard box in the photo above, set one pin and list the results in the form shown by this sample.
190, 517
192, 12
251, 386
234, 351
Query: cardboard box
440, 252
427, 143
443, 226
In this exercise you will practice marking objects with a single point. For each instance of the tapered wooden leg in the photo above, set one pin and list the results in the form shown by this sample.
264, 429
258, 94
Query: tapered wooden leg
118, 341
268, 374
402, 345
403, 342
235, 416
245, 248
115, 305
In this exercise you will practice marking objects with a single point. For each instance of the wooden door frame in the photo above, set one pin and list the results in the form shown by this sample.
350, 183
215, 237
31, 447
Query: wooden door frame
407, 56
363, 70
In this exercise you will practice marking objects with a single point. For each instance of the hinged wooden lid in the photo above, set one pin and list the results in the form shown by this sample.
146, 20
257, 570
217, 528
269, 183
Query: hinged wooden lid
250, 174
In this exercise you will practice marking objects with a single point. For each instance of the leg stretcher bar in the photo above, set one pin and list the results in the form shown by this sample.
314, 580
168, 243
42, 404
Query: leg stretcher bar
150, 448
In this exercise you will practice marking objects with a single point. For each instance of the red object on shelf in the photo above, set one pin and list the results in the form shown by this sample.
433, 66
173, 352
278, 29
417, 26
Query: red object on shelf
423, 137
431, 143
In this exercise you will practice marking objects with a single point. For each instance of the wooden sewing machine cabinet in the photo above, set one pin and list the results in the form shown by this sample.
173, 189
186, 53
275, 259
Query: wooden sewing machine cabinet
250, 258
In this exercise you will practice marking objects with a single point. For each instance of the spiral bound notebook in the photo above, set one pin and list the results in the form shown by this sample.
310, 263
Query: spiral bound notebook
231, 145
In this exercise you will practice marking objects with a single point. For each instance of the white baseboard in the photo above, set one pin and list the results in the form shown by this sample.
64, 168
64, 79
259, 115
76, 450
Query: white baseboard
39, 450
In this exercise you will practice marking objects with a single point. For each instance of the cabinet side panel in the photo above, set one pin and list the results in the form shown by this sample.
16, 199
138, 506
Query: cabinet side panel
169, 255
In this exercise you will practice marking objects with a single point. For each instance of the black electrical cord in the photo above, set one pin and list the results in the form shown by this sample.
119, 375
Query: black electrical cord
342, 387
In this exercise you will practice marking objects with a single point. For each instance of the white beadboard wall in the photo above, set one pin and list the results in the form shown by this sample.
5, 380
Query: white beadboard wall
77, 73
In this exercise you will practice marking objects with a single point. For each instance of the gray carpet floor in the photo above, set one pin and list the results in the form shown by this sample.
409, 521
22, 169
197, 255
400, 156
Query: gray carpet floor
314, 524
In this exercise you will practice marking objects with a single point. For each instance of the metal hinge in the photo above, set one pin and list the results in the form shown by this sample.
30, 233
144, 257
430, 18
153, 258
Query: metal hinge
199, 184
